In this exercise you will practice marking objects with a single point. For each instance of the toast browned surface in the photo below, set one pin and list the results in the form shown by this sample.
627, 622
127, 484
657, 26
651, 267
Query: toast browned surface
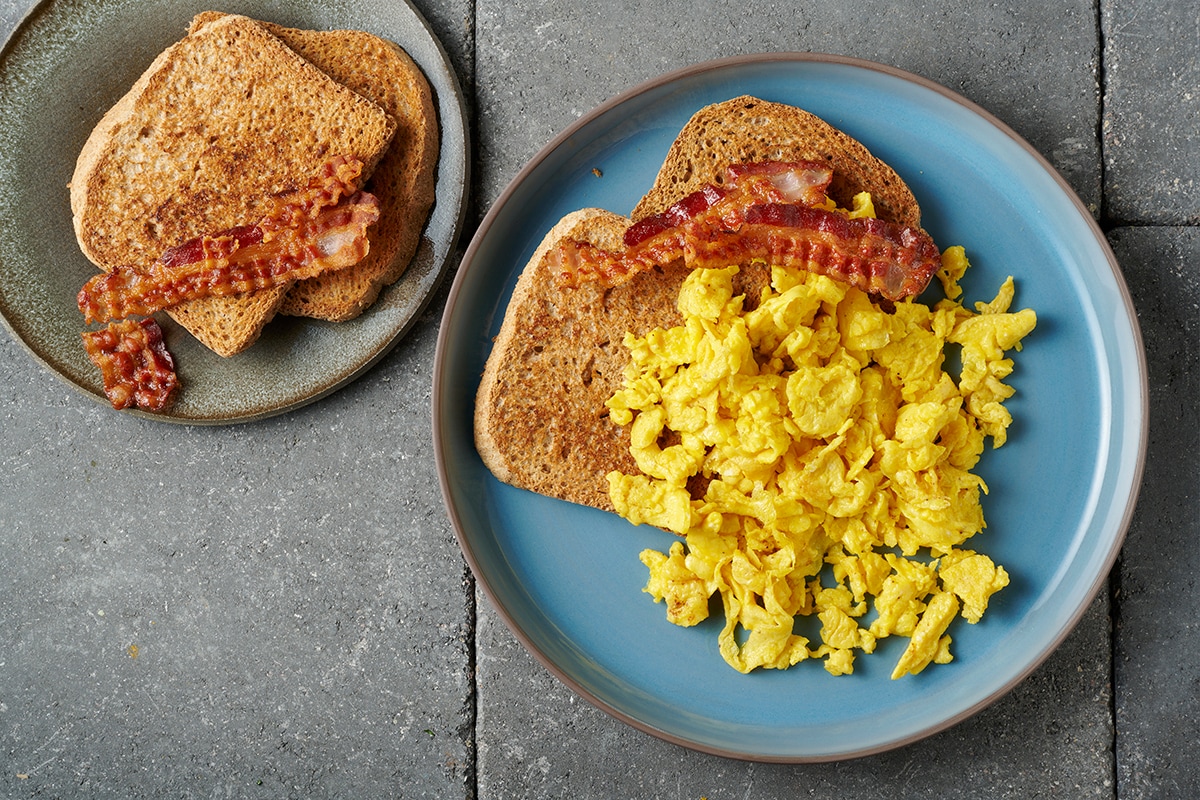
540, 417
403, 180
219, 122
747, 129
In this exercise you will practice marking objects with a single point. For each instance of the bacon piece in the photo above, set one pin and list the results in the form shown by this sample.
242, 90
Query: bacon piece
694, 204
767, 181
879, 257
797, 181
764, 212
192, 250
302, 234
137, 369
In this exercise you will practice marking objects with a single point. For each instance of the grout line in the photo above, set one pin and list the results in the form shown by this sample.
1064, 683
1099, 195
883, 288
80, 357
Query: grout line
1106, 225
472, 590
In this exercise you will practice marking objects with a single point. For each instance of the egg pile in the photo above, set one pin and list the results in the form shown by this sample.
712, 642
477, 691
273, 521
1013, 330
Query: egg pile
816, 459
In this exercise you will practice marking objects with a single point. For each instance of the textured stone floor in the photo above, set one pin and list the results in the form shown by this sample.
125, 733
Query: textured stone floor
280, 609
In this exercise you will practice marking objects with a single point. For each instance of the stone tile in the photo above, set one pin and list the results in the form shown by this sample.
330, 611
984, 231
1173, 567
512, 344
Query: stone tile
453, 22
542, 65
1151, 104
1051, 737
275, 609
1157, 636
539, 68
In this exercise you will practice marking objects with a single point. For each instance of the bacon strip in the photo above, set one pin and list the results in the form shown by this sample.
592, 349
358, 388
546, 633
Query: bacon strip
878, 257
766, 181
765, 211
302, 234
691, 206
134, 362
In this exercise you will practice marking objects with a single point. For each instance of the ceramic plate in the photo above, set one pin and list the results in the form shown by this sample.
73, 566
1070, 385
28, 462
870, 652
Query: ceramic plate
567, 579
65, 65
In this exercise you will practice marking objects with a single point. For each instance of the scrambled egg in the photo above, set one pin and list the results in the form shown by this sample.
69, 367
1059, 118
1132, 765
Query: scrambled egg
817, 460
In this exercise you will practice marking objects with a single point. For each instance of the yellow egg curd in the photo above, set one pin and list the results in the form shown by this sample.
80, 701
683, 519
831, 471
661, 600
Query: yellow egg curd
818, 429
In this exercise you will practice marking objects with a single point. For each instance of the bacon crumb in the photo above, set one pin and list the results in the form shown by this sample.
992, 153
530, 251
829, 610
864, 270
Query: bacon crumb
137, 369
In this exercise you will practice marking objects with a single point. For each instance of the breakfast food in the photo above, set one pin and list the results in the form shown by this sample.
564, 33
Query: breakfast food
563, 350
742, 362
816, 433
222, 121
404, 178
773, 212
300, 235
217, 144
134, 363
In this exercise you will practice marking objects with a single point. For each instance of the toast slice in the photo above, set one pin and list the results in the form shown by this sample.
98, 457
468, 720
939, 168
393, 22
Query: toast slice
747, 129
221, 120
540, 417
404, 179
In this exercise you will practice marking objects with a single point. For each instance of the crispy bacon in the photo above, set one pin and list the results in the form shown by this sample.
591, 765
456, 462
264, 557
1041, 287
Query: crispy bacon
764, 211
797, 181
767, 181
137, 369
192, 250
691, 206
302, 234
878, 257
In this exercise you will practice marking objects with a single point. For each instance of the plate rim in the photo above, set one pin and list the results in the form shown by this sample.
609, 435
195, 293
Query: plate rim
459, 163
440, 388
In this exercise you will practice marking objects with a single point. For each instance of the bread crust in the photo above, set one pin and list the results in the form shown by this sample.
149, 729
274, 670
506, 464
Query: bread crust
220, 121
746, 129
540, 417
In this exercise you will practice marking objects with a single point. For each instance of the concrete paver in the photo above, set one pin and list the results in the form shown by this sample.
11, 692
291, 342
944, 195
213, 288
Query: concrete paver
280, 609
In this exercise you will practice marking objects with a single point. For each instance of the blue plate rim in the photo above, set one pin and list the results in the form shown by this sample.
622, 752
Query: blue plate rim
441, 388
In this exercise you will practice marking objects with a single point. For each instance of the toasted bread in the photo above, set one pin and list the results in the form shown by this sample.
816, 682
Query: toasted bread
403, 180
219, 122
540, 417
746, 129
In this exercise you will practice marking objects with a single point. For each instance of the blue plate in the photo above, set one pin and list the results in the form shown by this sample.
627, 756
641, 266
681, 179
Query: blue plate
567, 579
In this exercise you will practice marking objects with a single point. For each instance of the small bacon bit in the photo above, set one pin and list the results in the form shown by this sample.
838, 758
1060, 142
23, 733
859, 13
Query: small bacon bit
798, 181
765, 211
137, 369
302, 234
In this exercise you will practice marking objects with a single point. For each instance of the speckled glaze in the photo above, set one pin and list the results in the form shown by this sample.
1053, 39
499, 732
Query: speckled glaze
63, 67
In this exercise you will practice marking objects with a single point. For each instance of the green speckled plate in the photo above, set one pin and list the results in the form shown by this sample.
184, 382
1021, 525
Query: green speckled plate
62, 68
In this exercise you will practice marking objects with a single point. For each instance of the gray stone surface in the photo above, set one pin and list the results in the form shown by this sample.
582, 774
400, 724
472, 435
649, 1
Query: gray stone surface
1157, 635
303, 622
1151, 105
1033, 65
277, 608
